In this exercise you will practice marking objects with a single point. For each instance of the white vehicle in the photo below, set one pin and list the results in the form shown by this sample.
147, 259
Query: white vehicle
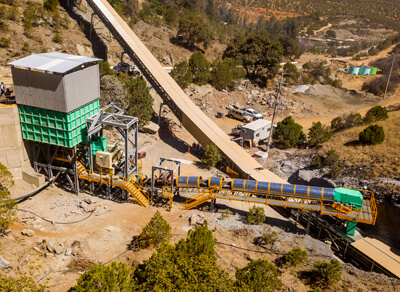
253, 113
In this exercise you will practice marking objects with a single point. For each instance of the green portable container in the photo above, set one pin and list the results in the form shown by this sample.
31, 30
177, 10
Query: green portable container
54, 127
373, 71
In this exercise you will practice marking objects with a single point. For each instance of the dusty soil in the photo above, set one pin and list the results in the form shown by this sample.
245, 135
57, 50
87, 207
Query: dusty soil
104, 234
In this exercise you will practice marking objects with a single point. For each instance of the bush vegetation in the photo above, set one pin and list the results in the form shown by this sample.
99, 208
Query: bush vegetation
138, 99
295, 256
5, 42
182, 74
269, 237
326, 273
376, 113
259, 276
346, 121
57, 38
212, 156
256, 215
318, 134
21, 284
156, 232
288, 134
116, 277
330, 158
7, 205
373, 134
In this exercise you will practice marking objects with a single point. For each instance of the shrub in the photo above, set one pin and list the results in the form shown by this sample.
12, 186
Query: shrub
226, 214
346, 121
293, 74
327, 273
5, 42
256, 215
259, 276
21, 284
200, 68
212, 156
155, 232
116, 277
373, 134
105, 69
288, 133
335, 171
138, 99
57, 38
295, 256
182, 74
50, 5
25, 47
221, 75
331, 158
269, 237
7, 210
376, 113
318, 134
190, 265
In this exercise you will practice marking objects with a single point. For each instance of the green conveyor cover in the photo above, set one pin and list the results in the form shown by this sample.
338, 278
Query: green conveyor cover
347, 196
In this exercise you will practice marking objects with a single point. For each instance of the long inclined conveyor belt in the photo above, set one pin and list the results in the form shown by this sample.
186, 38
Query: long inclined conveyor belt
192, 118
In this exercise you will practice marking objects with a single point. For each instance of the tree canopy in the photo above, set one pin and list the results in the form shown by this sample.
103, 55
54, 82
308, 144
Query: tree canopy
259, 55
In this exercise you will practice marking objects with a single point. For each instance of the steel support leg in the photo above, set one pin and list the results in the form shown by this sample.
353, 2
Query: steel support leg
308, 222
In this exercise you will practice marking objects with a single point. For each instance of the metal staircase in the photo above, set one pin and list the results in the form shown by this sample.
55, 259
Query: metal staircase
132, 187
200, 198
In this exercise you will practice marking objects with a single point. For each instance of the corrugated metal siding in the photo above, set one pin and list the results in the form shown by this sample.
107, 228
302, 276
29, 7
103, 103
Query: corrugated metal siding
81, 87
54, 92
38, 89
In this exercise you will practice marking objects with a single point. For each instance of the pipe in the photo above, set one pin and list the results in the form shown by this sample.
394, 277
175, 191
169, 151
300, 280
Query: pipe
35, 191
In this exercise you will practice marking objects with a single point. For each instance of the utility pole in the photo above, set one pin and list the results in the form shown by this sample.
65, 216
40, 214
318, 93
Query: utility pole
273, 115
390, 74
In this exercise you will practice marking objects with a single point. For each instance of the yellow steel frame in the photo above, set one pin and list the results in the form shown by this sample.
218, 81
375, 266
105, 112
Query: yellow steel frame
116, 181
362, 215
167, 194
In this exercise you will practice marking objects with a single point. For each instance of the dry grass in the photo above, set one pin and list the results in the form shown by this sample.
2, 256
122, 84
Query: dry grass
375, 160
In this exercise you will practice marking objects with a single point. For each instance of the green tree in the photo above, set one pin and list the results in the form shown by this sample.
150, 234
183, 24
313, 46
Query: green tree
295, 256
269, 237
200, 68
9, 284
155, 232
190, 265
259, 55
212, 156
138, 99
221, 74
256, 215
291, 48
291, 73
194, 30
182, 74
373, 134
318, 134
326, 273
105, 68
288, 133
330, 34
376, 113
259, 276
116, 277
7, 205
171, 16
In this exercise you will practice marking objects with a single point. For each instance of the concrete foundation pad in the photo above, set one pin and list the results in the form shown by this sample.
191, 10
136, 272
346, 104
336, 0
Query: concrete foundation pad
32, 177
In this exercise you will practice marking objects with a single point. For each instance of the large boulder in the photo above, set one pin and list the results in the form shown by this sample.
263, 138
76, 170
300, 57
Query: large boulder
4, 264
312, 178
151, 128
